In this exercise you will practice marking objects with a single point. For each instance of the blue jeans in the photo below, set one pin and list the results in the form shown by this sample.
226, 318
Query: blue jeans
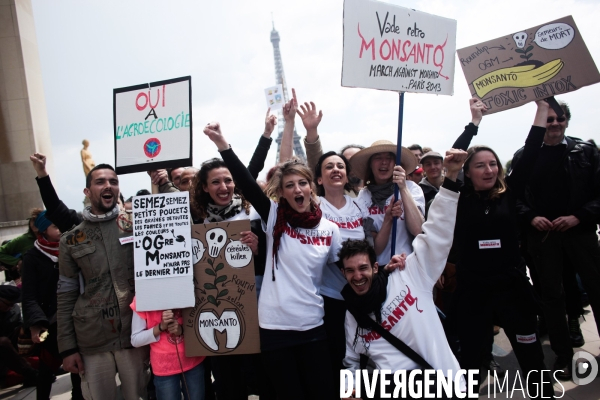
171, 387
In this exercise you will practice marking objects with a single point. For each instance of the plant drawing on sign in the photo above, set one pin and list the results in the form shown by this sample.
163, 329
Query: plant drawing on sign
521, 40
224, 318
213, 271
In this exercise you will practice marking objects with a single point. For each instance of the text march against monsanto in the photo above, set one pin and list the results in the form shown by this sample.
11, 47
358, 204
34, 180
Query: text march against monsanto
394, 48
153, 125
162, 236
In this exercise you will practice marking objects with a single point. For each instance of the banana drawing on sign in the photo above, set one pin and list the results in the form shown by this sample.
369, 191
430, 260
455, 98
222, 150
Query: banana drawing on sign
224, 319
536, 63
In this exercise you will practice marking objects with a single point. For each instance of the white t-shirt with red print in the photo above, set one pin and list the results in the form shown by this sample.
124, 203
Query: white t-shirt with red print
349, 220
408, 311
403, 236
292, 301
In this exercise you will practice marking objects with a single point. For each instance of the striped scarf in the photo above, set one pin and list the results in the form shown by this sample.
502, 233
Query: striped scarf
49, 249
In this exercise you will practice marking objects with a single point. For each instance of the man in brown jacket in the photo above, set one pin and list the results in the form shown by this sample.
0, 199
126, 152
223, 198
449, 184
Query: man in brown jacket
95, 289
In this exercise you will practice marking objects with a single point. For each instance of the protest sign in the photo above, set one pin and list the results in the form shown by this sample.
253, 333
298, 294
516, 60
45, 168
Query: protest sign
395, 48
274, 96
153, 125
162, 251
529, 65
224, 319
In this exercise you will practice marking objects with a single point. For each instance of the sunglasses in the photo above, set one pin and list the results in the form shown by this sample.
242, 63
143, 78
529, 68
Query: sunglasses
558, 119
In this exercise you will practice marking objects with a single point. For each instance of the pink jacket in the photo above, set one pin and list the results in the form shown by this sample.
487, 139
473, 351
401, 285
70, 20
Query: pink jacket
164, 352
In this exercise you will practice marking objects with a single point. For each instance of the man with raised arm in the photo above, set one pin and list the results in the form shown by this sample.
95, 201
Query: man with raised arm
561, 206
401, 301
95, 289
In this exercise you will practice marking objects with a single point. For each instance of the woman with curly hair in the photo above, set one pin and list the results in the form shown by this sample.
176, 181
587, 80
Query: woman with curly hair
290, 308
214, 197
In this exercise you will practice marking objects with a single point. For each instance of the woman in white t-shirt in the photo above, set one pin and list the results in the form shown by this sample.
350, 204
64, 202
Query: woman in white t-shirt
331, 178
376, 165
300, 243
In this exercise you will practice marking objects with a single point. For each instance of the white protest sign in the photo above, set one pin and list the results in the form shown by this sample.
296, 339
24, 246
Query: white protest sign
163, 251
395, 48
153, 126
274, 97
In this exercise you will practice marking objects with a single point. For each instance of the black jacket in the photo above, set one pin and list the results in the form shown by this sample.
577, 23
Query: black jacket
56, 211
429, 191
40, 276
582, 165
480, 219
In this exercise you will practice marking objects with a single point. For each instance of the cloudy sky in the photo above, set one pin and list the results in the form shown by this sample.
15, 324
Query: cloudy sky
89, 48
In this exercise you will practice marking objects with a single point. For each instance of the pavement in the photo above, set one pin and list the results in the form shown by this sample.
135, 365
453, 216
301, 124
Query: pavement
61, 390
504, 355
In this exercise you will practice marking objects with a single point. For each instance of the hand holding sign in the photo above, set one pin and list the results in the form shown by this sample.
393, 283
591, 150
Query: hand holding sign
250, 240
159, 176
167, 318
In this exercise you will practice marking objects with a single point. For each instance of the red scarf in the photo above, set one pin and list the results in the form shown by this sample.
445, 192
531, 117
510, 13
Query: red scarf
287, 215
46, 247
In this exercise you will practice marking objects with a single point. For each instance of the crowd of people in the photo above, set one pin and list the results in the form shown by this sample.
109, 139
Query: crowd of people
468, 238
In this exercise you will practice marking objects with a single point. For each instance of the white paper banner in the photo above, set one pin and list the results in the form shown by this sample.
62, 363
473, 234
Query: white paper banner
152, 125
162, 236
395, 48
274, 97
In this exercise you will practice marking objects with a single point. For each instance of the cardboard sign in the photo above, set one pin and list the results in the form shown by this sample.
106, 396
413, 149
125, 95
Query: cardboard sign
153, 125
224, 319
163, 251
274, 97
539, 62
395, 48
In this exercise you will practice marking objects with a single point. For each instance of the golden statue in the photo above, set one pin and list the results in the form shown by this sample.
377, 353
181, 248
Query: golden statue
86, 158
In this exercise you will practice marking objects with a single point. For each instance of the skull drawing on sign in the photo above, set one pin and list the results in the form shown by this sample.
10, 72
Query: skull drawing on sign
215, 238
520, 39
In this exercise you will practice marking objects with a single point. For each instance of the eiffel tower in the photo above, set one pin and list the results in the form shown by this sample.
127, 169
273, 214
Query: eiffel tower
280, 79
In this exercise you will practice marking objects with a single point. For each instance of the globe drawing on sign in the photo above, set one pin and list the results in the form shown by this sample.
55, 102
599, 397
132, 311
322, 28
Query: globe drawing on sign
152, 147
